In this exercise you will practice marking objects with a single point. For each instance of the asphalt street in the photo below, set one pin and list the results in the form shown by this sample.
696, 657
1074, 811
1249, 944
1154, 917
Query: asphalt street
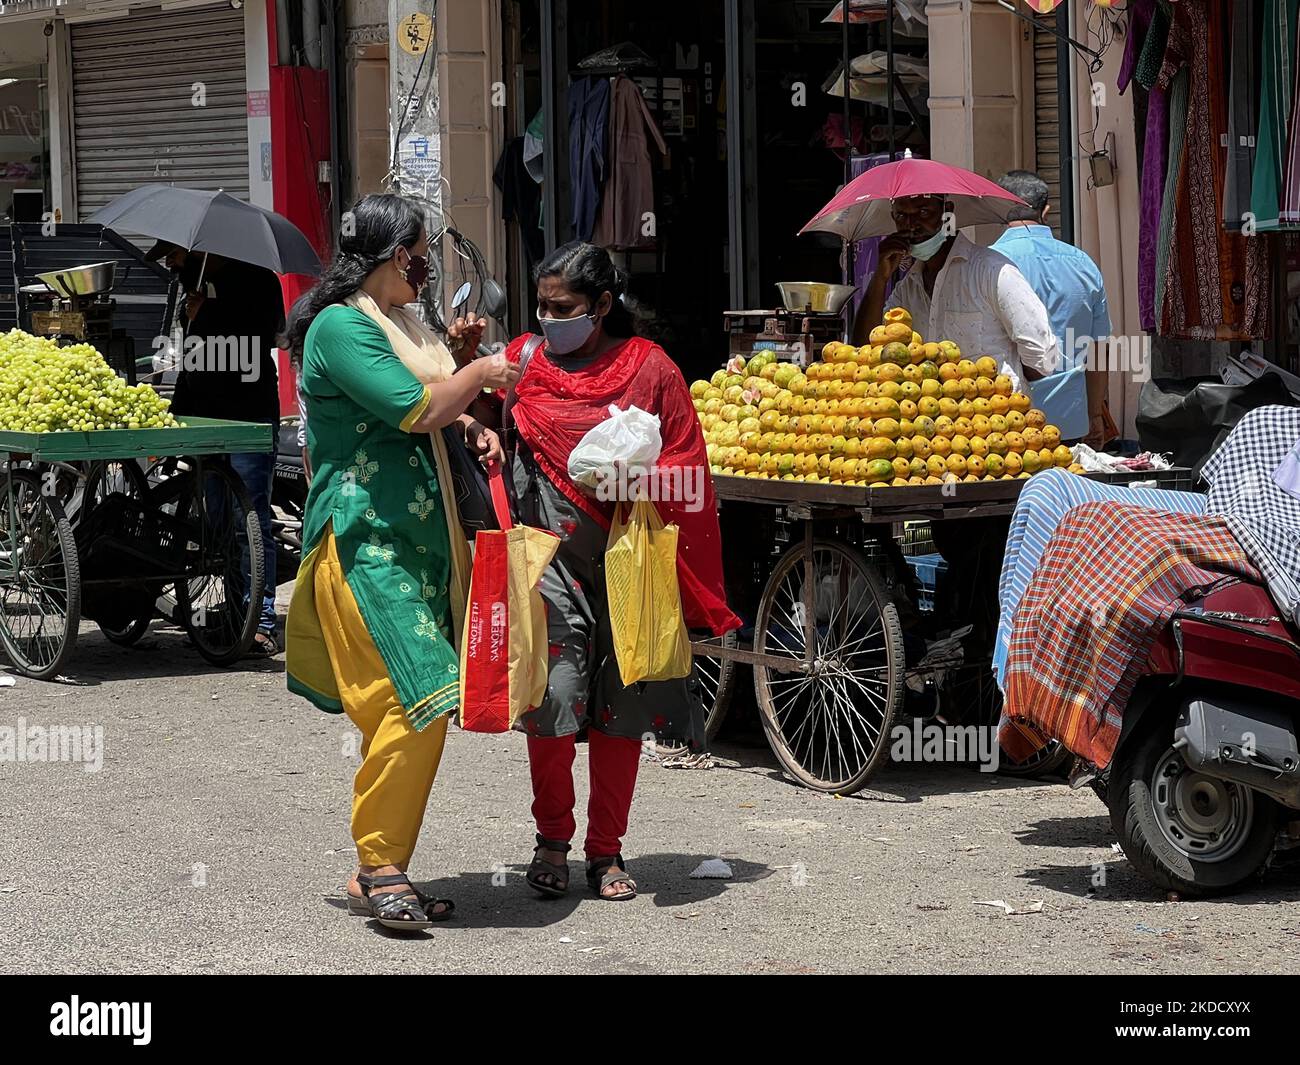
214, 838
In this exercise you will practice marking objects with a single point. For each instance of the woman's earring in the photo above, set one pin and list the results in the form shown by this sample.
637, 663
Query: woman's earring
403, 270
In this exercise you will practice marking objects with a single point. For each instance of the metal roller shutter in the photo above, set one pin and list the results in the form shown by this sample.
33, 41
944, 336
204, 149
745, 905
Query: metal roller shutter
1047, 118
134, 120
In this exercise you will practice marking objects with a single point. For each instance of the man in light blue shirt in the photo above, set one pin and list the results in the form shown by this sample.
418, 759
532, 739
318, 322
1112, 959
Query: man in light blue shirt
1071, 287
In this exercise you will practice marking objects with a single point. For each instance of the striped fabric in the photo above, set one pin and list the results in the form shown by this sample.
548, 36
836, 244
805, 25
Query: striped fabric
1043, 502
1111, 577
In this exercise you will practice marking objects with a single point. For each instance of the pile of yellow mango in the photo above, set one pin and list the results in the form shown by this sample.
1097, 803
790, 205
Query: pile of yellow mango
896, 411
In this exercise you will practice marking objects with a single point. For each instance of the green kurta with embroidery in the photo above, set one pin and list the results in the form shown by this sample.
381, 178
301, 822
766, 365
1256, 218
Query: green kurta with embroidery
377, 482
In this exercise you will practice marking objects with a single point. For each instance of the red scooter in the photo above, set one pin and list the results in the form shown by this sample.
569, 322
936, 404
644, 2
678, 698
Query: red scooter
1207, 769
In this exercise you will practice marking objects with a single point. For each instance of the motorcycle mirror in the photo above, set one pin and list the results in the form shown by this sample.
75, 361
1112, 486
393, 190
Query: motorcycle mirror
493, 299
462, 294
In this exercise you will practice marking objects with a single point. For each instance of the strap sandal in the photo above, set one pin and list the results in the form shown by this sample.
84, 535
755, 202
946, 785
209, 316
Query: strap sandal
599, 877
539, 867
358, 906
402, 911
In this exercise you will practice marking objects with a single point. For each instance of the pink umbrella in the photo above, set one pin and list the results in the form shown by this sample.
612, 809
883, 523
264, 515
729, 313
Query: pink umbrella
861, 208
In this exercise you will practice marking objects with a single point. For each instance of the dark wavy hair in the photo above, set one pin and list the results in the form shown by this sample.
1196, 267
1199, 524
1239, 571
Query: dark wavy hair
588, 270
377, 226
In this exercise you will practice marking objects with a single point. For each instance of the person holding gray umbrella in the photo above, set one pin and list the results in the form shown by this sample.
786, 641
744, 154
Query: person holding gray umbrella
226, 254
233, 313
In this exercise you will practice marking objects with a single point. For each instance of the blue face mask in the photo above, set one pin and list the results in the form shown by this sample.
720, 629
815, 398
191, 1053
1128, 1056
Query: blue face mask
565, 335
925, 251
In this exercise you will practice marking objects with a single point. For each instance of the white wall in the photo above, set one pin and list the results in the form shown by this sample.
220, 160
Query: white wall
257, 75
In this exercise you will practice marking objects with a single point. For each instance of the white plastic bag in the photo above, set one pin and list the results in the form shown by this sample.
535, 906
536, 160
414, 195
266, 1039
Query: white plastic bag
628, 438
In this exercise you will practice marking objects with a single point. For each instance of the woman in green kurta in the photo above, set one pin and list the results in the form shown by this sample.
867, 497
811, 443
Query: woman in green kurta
373, 623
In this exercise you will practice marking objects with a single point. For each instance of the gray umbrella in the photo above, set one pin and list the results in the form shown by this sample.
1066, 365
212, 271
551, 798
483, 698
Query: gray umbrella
213, 222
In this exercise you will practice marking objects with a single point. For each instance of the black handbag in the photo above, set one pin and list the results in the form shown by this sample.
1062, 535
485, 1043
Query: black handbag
469, 479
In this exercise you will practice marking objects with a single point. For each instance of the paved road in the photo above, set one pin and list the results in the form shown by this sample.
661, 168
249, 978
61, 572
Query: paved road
214, 839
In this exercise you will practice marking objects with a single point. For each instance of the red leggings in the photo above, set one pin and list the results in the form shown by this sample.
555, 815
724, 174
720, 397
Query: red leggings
613, 765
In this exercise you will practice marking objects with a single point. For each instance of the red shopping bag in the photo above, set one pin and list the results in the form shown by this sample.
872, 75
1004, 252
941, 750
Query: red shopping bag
504, 652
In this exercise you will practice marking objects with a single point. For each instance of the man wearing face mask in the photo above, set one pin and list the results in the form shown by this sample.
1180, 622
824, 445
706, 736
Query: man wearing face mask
236, 311
957, 290
974, 296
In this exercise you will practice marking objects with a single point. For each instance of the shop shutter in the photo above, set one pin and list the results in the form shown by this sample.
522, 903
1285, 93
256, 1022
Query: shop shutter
1047, 118
134, 119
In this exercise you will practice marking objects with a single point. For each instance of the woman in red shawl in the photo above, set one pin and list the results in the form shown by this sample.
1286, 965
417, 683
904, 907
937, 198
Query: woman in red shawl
590, 360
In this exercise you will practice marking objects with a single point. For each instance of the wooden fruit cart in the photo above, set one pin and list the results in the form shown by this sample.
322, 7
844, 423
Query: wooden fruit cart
837, 640
103, 525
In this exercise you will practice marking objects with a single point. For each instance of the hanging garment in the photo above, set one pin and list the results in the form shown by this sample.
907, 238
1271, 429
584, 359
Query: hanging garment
1147, 36
1243, 110
1277, 63
588, 125
1216, 282
1176, 114
521, 198
629, 194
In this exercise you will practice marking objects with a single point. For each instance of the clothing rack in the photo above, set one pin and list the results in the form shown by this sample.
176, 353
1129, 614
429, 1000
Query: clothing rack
631, 69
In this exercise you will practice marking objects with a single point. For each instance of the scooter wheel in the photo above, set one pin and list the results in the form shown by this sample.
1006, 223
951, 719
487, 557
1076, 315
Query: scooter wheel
1183, 830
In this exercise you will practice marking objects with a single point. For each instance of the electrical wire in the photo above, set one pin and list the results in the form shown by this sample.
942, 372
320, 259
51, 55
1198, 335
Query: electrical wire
1103, 26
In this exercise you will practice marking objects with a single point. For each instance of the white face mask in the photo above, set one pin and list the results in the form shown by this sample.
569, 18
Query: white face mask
926, 250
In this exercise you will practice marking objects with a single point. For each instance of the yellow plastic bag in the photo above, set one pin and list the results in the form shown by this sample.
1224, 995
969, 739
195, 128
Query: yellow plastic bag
645, 605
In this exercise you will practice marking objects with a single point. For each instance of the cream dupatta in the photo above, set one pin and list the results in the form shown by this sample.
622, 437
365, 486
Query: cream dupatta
427, 357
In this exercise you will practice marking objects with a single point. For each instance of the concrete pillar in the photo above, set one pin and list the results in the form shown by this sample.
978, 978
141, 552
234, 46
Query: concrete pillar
471, 126
978, 85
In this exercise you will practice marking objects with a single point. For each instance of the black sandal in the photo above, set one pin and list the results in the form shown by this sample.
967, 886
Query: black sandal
599, 878
399, 910
264, 645
359, 906
541, 867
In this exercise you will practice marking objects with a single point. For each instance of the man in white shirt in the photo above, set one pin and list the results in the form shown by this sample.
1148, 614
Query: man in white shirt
957, 290
977, 298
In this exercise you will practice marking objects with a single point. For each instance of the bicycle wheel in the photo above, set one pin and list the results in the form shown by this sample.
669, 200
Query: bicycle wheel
40, 579
221, 600
828, 723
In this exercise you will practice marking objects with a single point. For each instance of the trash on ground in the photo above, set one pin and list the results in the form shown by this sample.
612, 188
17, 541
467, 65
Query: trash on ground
712, 869
1034, 906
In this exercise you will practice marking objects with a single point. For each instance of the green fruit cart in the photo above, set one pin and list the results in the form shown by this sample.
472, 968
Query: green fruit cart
116, 525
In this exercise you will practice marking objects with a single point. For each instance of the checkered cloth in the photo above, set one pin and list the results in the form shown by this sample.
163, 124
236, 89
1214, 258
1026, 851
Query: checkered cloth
1260, 513
1043, 502
1111, 577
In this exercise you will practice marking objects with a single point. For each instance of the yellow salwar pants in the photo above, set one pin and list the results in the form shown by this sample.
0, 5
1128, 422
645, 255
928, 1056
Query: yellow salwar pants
398, 764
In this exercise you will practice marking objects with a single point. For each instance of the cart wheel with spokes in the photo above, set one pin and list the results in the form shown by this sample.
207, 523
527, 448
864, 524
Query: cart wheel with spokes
828, 716
221, 600
40, 578
717, 677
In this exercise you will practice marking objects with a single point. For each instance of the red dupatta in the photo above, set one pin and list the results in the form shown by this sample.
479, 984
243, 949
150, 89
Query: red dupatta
555, 408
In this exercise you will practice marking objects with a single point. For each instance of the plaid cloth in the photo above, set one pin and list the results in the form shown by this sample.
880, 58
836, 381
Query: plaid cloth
1110, 579
1260, 513
1043, 502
